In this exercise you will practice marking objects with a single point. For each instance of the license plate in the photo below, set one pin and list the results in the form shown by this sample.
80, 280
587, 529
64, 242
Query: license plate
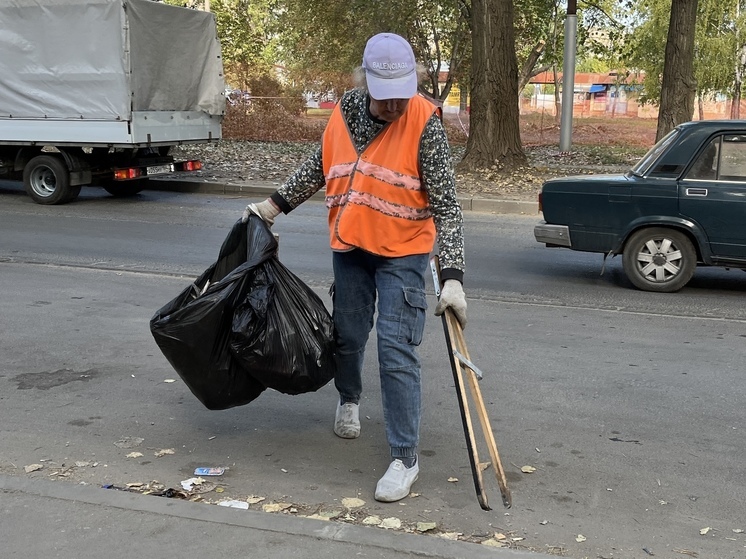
160, 169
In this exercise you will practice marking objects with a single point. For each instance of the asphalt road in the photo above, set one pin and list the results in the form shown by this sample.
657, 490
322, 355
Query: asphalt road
628, 404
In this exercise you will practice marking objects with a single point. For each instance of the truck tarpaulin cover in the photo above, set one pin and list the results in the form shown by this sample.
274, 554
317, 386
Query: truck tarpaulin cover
102, 59
256, 326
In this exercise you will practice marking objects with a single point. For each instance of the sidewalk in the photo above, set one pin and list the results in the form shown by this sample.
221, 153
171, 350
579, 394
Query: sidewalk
265, 188
59, 519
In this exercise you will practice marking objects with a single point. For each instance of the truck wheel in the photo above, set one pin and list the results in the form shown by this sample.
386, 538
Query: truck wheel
659, 259
47, 180
121, 189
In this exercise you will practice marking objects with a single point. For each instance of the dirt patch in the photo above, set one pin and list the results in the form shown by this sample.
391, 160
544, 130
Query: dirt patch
598, 146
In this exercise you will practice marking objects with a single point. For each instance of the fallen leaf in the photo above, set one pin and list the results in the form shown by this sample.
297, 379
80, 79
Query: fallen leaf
134, 455
317, 517
390, 523
164, 452
580, 538
135, 484
450, 535
32, 468
253, 499
426, 526
352, 502
452, 479
205, 487
371, 520
704, 531
492, 543
500, 536
528, 469
276, 507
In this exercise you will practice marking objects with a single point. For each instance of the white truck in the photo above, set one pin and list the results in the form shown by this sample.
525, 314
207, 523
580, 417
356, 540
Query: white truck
96, 92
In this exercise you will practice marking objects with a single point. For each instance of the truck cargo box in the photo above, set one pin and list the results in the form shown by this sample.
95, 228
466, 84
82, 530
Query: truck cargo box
121, 73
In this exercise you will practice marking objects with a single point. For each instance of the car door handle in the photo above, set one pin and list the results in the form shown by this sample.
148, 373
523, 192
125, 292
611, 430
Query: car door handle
696, 192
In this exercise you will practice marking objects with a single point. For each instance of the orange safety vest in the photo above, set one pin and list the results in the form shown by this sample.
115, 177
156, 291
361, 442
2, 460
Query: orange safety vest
376, 200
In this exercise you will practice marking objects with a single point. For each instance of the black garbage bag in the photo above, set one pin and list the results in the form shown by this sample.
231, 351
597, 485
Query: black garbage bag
193, 330
282, 333
256, 326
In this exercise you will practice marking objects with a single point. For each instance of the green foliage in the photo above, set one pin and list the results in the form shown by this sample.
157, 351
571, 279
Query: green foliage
247, 43
720, 33
322, 42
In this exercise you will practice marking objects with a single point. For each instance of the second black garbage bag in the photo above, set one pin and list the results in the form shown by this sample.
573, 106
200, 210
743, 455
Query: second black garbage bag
246, 324
282, 333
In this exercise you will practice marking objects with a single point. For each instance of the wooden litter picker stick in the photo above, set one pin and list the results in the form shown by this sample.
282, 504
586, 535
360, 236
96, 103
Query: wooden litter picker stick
462, 366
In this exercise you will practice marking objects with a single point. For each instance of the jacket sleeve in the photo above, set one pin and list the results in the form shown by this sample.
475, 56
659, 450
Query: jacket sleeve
306, 181
436, 171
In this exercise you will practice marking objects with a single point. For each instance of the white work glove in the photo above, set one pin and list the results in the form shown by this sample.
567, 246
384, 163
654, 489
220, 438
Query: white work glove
452, 297
266, 210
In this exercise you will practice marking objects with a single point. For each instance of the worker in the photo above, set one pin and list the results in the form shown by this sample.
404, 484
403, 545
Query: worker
390, 190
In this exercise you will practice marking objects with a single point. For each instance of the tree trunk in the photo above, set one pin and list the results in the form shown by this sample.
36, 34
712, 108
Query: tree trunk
735, 107
557, 98
679, 85
494, 131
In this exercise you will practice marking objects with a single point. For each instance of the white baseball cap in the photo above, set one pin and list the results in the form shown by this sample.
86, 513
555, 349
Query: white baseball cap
390, 67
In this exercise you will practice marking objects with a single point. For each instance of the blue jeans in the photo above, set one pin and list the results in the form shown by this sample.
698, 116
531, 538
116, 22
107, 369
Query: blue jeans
399, 284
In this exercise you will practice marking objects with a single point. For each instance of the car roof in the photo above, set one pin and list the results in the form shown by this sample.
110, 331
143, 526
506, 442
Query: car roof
715, 124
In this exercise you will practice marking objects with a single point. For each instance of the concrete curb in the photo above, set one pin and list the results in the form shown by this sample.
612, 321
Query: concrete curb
261, 188
288, 525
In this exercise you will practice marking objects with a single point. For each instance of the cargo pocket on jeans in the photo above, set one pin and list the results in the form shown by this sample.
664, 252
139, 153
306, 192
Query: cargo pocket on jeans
412, 323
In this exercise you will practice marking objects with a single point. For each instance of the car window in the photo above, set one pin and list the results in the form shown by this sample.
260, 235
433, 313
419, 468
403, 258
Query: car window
644, 165
732, 164
705, 166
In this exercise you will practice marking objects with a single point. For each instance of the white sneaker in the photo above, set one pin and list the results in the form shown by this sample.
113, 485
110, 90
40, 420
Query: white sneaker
396, 482
347, 421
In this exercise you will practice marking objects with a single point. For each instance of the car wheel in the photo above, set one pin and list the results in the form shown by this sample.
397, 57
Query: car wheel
47, 180
659, 259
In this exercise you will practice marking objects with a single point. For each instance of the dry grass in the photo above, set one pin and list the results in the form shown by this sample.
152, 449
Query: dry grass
272, 122
270, 141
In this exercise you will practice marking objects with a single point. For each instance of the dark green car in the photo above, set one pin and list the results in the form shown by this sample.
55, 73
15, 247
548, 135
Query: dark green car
682, 204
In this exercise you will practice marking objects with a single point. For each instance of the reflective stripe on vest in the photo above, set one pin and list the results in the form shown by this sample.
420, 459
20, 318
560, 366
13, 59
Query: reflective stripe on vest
376, 200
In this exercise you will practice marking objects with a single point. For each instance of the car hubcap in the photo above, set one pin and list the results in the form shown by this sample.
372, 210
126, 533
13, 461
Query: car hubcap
659, 260
43, 181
